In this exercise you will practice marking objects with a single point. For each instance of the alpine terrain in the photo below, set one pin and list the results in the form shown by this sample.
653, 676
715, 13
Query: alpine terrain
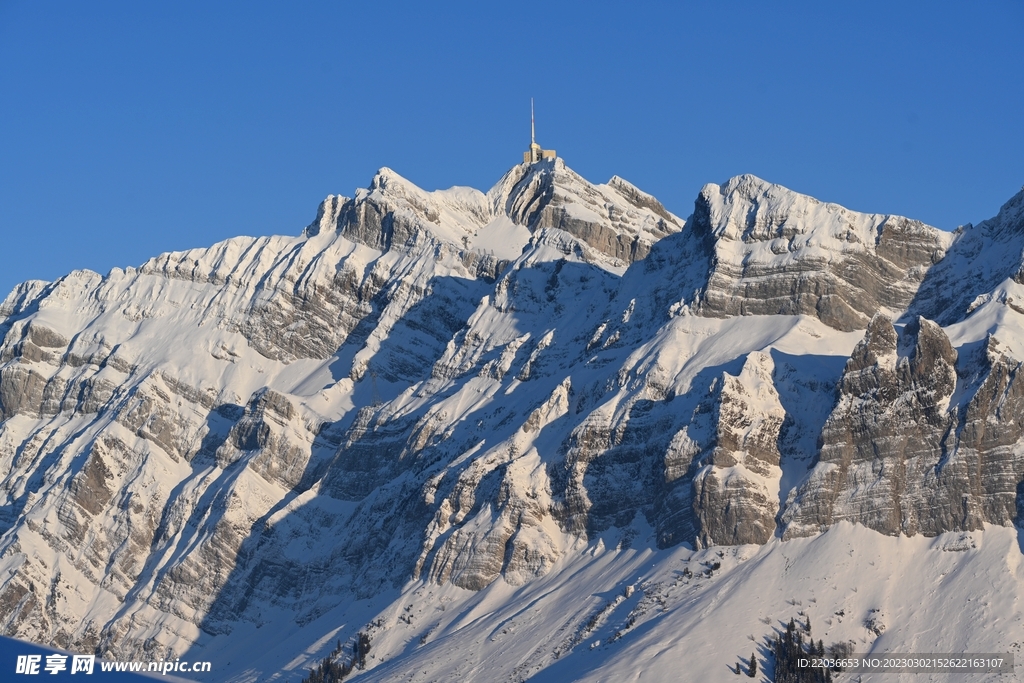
549, 432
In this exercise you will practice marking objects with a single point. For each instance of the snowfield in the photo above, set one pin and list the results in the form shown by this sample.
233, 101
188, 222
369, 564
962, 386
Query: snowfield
550, 432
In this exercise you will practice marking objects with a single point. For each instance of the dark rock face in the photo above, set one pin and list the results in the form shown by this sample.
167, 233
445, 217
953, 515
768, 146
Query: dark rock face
703, 471
981, 257
897, 457
279, 425
736, 494
777, 252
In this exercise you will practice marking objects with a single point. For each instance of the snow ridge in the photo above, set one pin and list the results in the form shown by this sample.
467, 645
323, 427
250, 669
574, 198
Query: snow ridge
545, 423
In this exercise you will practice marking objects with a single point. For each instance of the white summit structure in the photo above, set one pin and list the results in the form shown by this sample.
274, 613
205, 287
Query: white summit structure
535, 153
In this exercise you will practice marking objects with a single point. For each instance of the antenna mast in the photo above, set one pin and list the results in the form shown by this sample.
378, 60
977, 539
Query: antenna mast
535, 153
533, 135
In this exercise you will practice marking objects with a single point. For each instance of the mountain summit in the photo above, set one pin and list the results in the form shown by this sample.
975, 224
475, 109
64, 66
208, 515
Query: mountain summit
431, 407
614, 224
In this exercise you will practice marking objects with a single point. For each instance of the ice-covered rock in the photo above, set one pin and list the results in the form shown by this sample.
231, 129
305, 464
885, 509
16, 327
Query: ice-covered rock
461, 389
918, 443
779, 252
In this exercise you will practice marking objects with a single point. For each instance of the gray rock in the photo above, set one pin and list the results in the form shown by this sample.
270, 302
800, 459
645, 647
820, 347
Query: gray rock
735, 495
282, 425
899, 457
778, 252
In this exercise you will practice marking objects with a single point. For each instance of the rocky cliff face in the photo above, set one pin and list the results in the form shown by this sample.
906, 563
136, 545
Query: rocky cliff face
777, 252
736, 492
459, 388
984, 262
899, 456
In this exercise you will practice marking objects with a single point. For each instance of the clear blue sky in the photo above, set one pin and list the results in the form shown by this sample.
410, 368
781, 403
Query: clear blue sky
132, 128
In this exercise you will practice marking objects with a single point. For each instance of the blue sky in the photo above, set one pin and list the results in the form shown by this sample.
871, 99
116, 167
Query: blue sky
132, 128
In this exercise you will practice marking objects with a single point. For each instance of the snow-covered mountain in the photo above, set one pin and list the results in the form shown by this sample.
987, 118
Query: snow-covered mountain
550, 431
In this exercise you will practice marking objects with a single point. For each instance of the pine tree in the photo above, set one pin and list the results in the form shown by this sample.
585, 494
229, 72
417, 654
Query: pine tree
752, 671
331, 671
788, 647
362, 648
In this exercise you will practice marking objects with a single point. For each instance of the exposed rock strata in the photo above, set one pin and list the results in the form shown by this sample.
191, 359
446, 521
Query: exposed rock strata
736, 493
279, 425
898, 457
777, 252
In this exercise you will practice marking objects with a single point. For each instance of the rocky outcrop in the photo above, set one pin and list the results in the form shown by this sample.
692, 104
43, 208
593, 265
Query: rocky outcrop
282, 425
704, 471
779, 252
736, 493
899, 456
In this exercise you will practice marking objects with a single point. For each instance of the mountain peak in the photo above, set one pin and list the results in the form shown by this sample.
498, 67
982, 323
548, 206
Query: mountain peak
1011, 214
312, 432
779, 251
386, 179
613, 224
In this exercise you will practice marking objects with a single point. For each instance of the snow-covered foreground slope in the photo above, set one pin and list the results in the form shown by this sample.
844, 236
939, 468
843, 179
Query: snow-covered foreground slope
628, 613
511, 405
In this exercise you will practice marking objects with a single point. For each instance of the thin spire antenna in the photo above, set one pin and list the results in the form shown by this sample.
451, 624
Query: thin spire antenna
533, 134
535, 153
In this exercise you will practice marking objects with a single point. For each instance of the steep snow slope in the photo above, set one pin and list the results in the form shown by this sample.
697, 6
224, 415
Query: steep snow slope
464, 402
984, 264
154, 418
617, 612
